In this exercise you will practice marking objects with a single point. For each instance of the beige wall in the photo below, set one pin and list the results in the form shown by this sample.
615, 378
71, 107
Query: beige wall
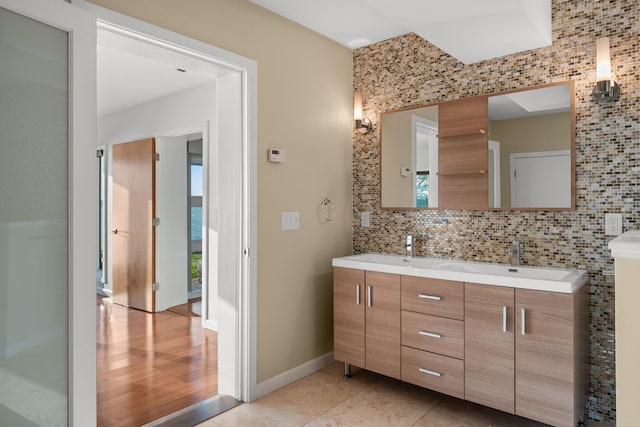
396, 149
397, 190
548, 132
305, 108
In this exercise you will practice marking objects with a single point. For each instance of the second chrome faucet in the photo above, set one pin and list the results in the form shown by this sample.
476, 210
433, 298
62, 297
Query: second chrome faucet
514, 253
409, 247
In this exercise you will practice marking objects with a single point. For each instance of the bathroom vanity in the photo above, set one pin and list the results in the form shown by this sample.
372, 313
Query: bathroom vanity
511, 338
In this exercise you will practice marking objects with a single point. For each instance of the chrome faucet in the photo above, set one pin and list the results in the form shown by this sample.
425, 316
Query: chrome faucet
409, 246
514, 253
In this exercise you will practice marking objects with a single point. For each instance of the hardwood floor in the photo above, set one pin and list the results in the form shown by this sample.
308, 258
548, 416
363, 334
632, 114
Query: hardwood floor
151, 365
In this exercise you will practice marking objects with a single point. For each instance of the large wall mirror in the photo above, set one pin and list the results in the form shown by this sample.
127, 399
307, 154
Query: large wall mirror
526, 142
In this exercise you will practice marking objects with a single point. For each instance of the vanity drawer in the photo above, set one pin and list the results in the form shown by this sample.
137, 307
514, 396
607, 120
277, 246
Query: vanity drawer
433, 371
433, 296
432, 333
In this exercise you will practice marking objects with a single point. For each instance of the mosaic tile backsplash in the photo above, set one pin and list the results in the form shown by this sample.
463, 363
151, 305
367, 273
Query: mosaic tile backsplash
408, 71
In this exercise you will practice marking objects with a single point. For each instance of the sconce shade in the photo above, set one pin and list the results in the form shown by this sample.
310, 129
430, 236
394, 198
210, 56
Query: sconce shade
603, 59
606, 89
357, 105
362, 125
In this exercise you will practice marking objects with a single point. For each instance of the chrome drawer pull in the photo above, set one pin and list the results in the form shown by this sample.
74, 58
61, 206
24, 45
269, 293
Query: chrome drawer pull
504, 318
369, 296
524, 319
358, 294
431, 297
430, 334
427, 371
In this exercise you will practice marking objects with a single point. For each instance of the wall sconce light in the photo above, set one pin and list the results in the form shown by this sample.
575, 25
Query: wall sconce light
362, 125
605, 90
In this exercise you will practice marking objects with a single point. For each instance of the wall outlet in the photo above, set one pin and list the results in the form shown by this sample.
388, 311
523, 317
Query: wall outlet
365, 219
612, 224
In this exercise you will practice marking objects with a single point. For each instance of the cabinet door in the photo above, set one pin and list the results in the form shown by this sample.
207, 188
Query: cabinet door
545, 356
463, 154
489, 346
383, 323
348, 316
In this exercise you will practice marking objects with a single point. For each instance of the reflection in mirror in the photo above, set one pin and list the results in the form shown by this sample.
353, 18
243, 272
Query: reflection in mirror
410, 158
533, 129
530, 152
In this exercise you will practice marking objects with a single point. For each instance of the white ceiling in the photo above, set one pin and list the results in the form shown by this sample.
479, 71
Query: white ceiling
533, 102
468, 30
133, 72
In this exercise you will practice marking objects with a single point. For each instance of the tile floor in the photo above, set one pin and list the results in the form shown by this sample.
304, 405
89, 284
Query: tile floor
325, 399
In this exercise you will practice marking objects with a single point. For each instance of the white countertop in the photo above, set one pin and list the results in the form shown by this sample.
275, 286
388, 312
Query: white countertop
626, 245
524, 277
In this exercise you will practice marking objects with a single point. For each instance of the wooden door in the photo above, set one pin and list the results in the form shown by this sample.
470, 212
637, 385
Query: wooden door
133, 231
383, 323
541, 179
489, 346
348, 316
545, 357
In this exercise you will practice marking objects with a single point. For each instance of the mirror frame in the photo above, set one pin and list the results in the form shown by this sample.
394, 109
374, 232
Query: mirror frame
572, 112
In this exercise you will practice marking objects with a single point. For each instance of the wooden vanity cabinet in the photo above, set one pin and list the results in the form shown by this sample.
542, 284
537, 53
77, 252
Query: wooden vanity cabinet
528, 348
551, 351
516, 350
348, 316
433, 334
489, 346
367, 320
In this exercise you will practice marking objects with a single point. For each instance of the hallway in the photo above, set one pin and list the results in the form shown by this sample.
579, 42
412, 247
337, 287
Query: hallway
151, 365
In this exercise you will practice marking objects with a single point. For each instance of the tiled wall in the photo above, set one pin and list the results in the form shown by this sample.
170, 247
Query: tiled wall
408, 71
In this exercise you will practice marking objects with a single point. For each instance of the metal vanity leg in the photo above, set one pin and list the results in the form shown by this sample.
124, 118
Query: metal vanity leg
347, 370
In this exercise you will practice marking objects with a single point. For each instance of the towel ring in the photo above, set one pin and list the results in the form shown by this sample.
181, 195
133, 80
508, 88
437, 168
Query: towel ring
326, 211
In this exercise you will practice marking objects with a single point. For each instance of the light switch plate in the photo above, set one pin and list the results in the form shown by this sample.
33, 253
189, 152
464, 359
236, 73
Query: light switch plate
612, 224
290, 220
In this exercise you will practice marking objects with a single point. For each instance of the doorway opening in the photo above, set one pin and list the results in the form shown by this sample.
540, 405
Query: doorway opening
228, 143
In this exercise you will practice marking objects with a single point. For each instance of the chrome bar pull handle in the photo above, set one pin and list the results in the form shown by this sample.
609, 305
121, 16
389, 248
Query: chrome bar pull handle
369, 296
430, 334
504, 318
431, 297
358, 294
430, 372
524, 320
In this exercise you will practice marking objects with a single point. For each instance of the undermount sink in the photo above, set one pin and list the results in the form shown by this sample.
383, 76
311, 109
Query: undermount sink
540, 278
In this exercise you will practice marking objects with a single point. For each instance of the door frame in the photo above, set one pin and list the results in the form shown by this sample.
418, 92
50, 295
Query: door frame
238, 320
83, 218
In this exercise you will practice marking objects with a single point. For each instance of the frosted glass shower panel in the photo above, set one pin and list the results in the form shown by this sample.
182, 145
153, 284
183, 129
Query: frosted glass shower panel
34, 202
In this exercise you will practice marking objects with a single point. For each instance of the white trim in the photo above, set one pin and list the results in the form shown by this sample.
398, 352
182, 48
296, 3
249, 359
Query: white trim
210, 324
104, 292
497, 194
292, 375
244, 305
421, 125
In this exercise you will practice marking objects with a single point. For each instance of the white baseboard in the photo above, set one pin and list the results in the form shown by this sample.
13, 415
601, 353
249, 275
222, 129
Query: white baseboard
292, 375
210, 324
101, 290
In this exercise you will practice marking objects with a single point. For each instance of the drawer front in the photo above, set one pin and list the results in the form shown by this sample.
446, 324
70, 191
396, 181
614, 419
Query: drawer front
433, 371
432, 296
432, 333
